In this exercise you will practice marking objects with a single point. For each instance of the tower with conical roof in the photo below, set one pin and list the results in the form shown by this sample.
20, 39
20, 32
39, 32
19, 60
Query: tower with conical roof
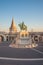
13, 28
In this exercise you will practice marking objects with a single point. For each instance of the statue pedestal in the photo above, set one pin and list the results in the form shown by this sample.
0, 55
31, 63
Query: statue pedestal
24, 42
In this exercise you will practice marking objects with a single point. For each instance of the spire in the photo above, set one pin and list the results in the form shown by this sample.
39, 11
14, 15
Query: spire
13, 26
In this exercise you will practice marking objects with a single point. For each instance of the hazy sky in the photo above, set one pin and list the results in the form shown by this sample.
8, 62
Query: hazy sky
29, 11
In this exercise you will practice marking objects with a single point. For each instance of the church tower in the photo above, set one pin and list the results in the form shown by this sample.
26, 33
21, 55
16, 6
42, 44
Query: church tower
13, 28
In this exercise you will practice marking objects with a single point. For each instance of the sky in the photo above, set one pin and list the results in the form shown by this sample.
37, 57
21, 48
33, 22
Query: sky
29, 11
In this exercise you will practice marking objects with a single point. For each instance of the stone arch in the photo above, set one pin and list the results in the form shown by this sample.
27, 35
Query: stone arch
36, 38
2, 37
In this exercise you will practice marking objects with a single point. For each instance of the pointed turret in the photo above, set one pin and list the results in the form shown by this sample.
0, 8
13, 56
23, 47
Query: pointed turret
13, 28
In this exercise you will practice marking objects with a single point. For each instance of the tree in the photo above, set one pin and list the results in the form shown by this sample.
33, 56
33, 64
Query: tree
22, 26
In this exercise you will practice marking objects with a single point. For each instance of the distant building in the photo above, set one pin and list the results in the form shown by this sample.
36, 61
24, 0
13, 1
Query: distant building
21, 35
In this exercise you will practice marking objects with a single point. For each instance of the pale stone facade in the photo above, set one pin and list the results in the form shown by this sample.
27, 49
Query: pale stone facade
23, 36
